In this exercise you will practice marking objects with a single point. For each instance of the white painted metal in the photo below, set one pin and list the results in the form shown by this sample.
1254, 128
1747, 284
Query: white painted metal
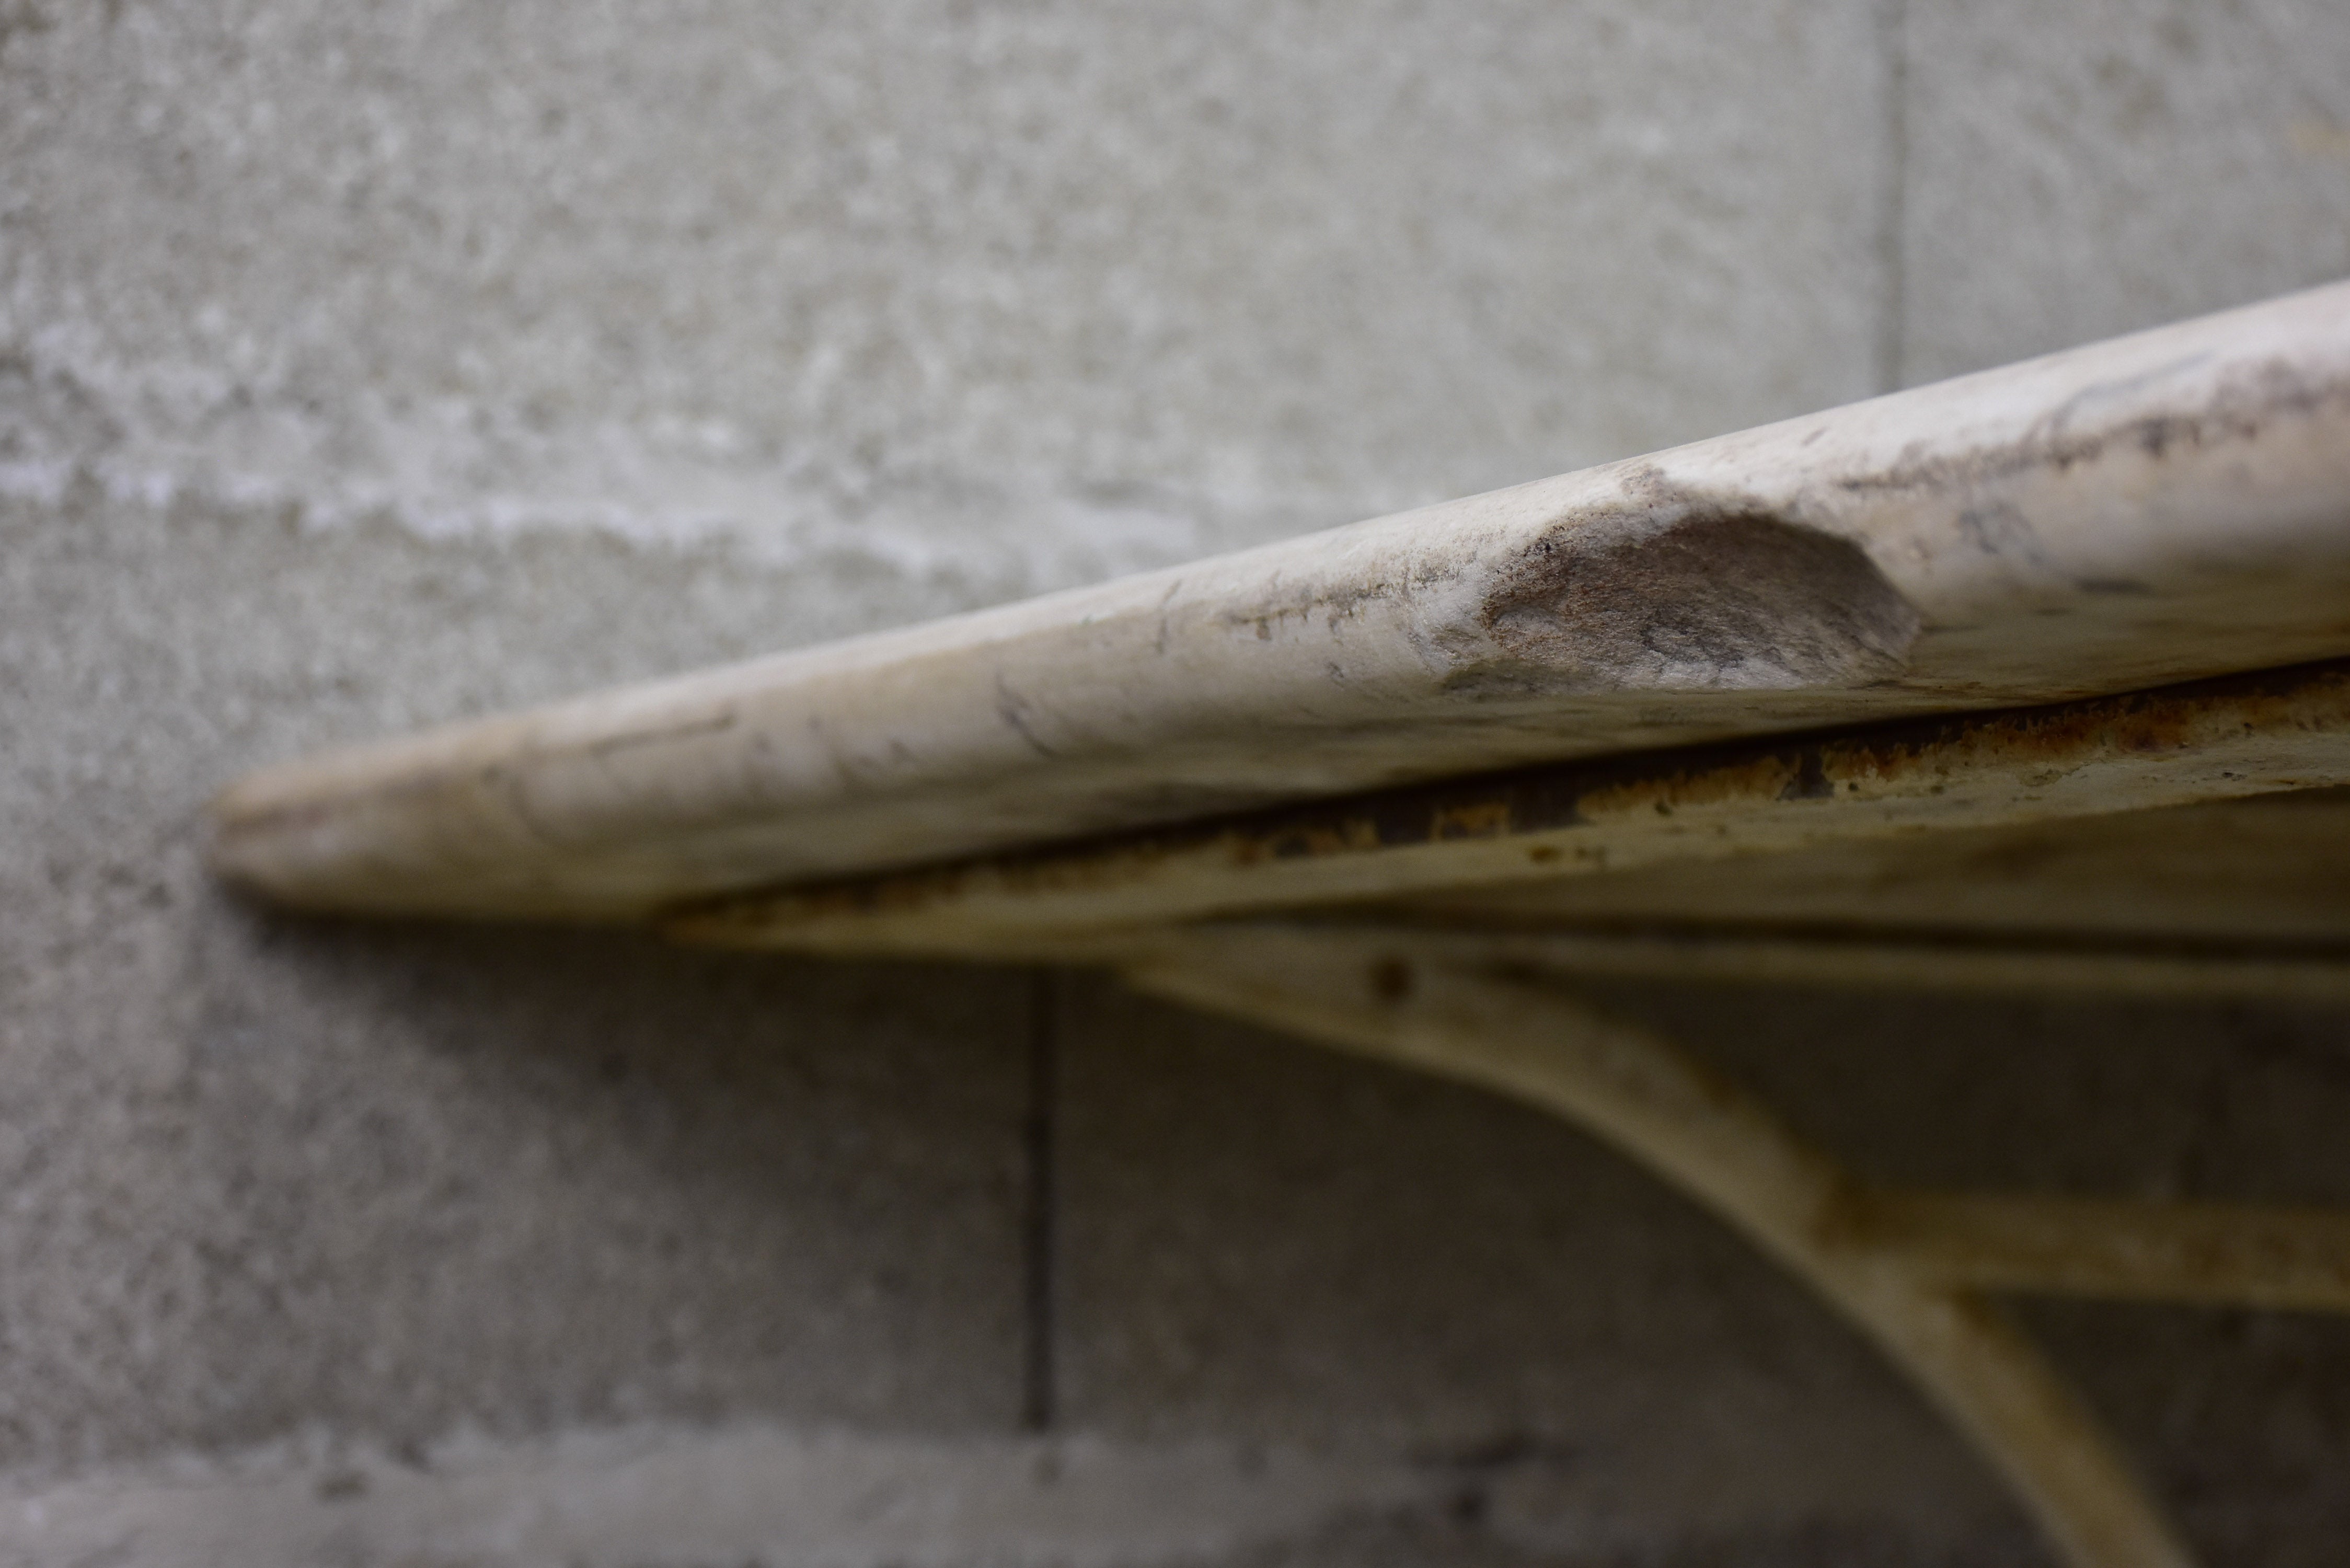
1893, 964
1380, 998
1479, 839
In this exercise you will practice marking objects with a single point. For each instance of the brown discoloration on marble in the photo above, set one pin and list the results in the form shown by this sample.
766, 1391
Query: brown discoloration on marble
2242, 405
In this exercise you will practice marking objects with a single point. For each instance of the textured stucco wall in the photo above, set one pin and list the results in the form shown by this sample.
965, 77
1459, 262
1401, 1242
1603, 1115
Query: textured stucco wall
365, 366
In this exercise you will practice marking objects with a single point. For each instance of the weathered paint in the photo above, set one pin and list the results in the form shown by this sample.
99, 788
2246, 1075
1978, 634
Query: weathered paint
2224, 1254
2281, 729
2227, 879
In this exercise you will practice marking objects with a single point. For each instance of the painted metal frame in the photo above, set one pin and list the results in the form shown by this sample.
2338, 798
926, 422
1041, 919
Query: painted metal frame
2273, 731
1902, 1270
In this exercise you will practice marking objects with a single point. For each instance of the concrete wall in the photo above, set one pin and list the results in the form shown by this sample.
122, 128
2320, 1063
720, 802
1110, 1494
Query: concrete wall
366, 366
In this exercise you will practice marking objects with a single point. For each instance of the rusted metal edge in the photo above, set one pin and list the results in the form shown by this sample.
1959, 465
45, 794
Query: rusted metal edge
2239, 735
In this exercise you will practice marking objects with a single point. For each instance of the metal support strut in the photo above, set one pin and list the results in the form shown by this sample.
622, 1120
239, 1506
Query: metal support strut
1867, 1254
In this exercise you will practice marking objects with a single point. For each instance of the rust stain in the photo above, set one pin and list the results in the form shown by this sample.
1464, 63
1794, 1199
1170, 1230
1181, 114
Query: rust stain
1725, 783
1471, 819
1561, 803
